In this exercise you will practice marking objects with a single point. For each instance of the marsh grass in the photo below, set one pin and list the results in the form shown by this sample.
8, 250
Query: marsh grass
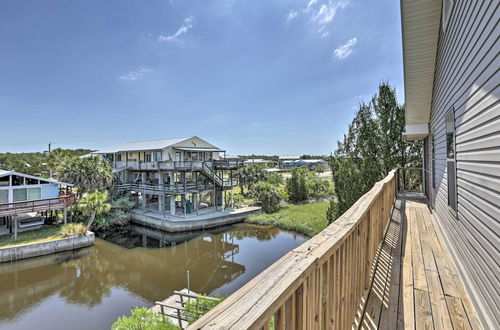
307, 219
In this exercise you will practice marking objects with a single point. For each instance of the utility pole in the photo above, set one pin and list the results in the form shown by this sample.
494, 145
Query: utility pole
48, 154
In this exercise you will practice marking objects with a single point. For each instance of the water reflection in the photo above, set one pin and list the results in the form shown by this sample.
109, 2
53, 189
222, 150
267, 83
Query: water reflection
108, 279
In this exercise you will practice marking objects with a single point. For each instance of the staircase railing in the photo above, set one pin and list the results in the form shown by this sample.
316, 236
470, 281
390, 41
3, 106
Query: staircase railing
212, 175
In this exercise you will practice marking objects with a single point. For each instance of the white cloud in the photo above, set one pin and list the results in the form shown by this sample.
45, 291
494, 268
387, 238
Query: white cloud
185, 27
292, 14
309, 6
345, 50
136, 74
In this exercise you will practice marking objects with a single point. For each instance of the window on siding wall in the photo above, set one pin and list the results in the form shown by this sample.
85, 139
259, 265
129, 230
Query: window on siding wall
19, 195
119, 157
30, 181
5, 181
17, 180
4, 196
147, 157
157, 156
450, 159
34, 193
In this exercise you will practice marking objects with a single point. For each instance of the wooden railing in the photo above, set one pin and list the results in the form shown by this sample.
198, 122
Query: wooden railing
38, 205
169, 165
320, 284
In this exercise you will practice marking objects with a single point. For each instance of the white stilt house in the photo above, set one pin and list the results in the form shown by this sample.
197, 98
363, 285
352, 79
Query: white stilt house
172, 176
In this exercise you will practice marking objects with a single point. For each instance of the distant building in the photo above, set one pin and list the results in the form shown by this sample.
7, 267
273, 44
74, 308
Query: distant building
312, 164
253, 161
288, 157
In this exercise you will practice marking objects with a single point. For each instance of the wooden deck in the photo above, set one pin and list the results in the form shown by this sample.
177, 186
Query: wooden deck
416, 284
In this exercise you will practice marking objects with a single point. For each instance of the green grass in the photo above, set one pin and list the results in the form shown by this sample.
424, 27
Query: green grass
307, 219
45, 234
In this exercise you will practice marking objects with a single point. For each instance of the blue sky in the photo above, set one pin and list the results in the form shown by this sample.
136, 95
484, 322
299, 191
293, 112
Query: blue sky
264, 77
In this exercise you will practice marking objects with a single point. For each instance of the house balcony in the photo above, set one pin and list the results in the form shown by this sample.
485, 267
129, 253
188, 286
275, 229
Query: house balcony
39, 205
382, 265
180, 166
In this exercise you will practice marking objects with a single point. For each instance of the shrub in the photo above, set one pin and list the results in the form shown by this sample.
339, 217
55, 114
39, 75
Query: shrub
332, 211
238, 198
142, 318
296, 186
318, 188
267, 195
73, 229
275, 179
196, 308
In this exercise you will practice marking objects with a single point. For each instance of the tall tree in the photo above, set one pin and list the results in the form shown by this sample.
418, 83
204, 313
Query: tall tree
55, 159
373, 145
249, 175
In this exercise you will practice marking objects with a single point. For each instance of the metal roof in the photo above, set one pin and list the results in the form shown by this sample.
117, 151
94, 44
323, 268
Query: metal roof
288, 157
143, 145
198, 149
5, 173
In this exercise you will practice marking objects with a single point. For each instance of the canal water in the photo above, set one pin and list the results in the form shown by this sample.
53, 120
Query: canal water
90, 288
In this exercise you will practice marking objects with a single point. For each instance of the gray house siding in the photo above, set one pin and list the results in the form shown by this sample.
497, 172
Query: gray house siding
466, 80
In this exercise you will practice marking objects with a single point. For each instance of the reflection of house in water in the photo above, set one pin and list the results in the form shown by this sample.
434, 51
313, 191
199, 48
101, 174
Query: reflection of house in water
152, 273
209, 256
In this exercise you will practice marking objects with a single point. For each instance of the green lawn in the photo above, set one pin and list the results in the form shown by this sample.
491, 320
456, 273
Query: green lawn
308, 219
47, 233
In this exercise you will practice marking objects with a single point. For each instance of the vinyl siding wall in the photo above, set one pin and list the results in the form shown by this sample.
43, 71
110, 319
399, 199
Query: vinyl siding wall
467, 80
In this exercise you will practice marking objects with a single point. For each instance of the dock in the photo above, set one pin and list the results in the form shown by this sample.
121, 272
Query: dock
190, 222
173, 306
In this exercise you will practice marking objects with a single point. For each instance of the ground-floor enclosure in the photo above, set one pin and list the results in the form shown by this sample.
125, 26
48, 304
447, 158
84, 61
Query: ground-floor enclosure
178, 193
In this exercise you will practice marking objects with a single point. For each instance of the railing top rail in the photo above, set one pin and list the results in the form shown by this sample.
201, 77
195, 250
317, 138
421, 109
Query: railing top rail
256, 302
63, 196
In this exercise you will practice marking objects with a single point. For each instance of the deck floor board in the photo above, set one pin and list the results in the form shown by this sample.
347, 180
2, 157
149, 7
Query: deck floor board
415, 276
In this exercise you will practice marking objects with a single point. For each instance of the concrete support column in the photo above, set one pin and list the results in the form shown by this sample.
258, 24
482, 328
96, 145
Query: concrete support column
171, 179
183, 203
161, 179
143, 194
183, 180
16, 222
161, 203
172, 204
195, 202
65, 215
223, 200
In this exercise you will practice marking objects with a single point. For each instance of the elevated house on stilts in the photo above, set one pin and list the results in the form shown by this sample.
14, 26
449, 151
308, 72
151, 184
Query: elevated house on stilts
173, 178
28, 202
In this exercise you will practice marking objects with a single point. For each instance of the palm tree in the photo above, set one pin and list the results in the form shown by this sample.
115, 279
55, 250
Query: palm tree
94, 204
88, 174
56, 158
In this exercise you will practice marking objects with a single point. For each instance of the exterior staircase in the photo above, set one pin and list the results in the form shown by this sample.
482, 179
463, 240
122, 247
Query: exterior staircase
210, 174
